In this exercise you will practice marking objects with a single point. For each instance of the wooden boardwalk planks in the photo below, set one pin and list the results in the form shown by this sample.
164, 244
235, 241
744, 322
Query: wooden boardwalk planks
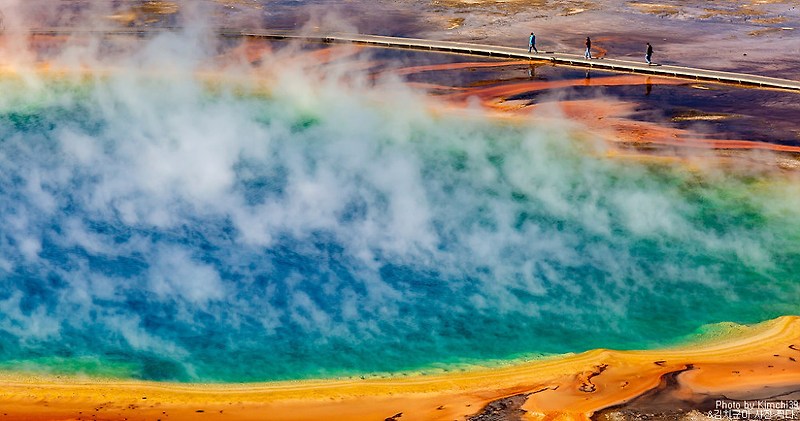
573, 60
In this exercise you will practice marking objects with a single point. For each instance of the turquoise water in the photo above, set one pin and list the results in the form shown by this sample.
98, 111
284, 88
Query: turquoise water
152, 229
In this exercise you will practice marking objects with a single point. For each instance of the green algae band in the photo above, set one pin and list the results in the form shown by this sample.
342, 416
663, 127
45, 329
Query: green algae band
152, 229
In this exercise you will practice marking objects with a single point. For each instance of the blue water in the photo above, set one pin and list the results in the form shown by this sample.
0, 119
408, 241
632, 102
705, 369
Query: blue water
153, 229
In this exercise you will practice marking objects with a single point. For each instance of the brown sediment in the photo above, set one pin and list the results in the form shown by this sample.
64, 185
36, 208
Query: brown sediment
770, 21
146, 12
506, 6
454, 23
253, 4
755, 361
503, 409
741, 11
768, 31
656, 8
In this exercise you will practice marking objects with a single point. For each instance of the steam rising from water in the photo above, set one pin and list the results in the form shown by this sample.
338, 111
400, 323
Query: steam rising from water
151, 227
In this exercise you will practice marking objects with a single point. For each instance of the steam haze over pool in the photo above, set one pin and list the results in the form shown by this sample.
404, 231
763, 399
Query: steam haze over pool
153, 226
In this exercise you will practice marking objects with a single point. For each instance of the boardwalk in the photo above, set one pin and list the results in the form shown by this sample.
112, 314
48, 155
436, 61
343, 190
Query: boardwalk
574, 60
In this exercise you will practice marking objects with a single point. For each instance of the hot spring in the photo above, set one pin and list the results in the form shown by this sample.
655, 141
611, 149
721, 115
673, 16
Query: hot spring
155, 226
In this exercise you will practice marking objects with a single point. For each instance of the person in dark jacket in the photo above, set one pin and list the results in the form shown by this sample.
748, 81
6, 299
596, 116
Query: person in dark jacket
588, 53
649, 54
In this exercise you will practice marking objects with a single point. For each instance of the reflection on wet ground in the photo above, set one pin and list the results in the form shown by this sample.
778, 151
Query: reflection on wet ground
715, 110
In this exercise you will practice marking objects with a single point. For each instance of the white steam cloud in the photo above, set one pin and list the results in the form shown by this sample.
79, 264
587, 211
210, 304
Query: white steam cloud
190, 223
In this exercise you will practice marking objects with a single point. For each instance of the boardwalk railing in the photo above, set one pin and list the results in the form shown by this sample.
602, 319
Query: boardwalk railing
573, 60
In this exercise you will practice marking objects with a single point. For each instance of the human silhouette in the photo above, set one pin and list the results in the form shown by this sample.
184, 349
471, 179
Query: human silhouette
588, 53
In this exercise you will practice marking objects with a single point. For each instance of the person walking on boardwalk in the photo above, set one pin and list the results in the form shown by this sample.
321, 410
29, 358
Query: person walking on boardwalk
532, 43
648, 57
588, 53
